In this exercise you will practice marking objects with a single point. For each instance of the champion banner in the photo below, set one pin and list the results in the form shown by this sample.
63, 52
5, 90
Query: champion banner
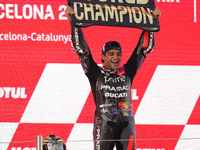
127, 13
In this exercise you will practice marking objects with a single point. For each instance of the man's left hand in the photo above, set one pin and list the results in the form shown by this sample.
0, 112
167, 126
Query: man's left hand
157, 12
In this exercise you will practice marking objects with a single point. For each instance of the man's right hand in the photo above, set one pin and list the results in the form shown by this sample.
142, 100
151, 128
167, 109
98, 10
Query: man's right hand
68, 12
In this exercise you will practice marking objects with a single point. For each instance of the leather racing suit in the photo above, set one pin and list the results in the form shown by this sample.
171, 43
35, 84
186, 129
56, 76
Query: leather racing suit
114, 120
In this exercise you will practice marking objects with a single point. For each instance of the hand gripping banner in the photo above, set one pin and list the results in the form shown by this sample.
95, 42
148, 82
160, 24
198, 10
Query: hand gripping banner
122, 13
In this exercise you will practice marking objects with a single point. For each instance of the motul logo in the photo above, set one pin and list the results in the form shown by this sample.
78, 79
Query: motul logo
12, 92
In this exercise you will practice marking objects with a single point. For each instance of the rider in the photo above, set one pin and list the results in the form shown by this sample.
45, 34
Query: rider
111, 87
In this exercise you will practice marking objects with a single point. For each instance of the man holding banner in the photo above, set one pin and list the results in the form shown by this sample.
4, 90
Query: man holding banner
111, 87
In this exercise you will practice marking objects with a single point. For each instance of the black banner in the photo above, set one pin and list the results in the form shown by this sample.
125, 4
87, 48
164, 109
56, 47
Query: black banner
98, 12
136, 3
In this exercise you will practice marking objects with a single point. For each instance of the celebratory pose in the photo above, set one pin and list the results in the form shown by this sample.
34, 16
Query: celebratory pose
111, 87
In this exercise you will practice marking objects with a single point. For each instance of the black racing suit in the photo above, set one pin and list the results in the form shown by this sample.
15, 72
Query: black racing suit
114, 120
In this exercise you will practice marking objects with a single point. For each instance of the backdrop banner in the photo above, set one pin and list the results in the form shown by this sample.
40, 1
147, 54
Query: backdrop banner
129, 13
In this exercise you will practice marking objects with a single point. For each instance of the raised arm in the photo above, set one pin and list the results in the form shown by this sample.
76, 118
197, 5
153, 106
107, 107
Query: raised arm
79, 44
146, 45
80, 47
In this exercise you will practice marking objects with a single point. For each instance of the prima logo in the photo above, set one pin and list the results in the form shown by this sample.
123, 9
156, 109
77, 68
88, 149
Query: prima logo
115, 80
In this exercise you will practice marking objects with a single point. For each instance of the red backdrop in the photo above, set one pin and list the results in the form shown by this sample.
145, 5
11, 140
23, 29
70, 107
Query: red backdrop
43, 89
